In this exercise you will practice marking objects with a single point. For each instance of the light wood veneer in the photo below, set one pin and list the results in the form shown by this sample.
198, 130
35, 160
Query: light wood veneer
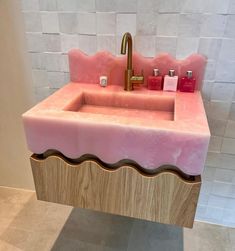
164, 197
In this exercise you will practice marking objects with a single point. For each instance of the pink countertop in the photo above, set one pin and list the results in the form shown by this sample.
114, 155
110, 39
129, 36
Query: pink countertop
159, 128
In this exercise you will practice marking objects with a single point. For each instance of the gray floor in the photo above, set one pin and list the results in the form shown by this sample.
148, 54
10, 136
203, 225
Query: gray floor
31, 225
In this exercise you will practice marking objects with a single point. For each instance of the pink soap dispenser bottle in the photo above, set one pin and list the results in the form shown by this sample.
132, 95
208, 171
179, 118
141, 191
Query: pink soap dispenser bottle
170, 81
155, 81
188, 82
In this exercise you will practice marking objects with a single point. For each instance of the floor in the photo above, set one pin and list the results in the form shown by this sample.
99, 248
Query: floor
30, 225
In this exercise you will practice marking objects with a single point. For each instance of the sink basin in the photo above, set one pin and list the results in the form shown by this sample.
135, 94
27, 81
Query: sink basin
124, 104
152, 128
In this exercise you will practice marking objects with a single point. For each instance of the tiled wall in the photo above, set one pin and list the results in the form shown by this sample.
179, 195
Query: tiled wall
179, 27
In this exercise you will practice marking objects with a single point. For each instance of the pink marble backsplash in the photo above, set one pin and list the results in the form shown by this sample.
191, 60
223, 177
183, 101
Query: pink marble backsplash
88, 69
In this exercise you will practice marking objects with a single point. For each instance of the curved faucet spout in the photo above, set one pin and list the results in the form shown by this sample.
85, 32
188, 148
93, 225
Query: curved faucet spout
127, 39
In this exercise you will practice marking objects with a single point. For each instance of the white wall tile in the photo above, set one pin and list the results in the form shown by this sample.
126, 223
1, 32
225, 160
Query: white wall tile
64, 65
37, 60
68, 22
225, 175
52, 42
167, 24
35, 42
207, 90
219, 110
192, 6
87, 23
170, 6
145, 45
86, 5
68, 41
29, 5
221, 188
148, 6
228, 146
215, 6
230, 129
126, 22
229, 217
214, 214
42, 92
106, 43
146, 23
186, 22
208, 173
87, 43
217, 201
213, 25
50, 22
225, 71
217, 126
106, 23
166, 44
227, 51
48, 5
186, 46
210, 70
230, 27
126, 6
56, 79
215, 144
210, 47
53, 61
222, 91
68, 5
40, 78
32, 21
231, 9
232, 112
105, 6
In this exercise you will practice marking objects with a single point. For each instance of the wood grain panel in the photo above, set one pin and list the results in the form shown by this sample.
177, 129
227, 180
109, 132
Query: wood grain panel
164, 197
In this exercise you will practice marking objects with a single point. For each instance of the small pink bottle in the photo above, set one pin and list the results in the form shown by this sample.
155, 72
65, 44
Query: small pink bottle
187, 83
155, 81
170, 82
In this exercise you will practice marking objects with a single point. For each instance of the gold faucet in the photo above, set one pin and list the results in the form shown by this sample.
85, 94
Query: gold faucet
130, 79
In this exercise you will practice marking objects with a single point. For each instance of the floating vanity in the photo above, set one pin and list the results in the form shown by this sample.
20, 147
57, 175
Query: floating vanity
137, 154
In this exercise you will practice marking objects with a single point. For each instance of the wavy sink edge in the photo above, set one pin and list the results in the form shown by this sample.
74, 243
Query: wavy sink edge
88, 68
118, 165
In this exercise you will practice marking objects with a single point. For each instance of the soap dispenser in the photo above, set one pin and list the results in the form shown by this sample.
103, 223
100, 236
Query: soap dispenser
155, 81
170, 81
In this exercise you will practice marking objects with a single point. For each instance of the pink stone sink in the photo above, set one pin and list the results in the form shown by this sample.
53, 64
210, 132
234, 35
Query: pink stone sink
152, 128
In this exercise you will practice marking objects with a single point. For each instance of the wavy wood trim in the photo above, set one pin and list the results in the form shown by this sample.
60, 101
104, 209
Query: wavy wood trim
164, 197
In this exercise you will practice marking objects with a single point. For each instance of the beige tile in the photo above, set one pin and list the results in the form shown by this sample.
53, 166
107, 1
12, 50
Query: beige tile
232, 236
27, 241
41, 216
205, 237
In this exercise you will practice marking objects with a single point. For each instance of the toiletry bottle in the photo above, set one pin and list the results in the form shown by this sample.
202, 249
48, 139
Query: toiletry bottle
170, 81
188, 82
155, 81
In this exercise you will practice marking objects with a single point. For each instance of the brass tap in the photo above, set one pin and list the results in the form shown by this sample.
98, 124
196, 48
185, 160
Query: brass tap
130, 78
